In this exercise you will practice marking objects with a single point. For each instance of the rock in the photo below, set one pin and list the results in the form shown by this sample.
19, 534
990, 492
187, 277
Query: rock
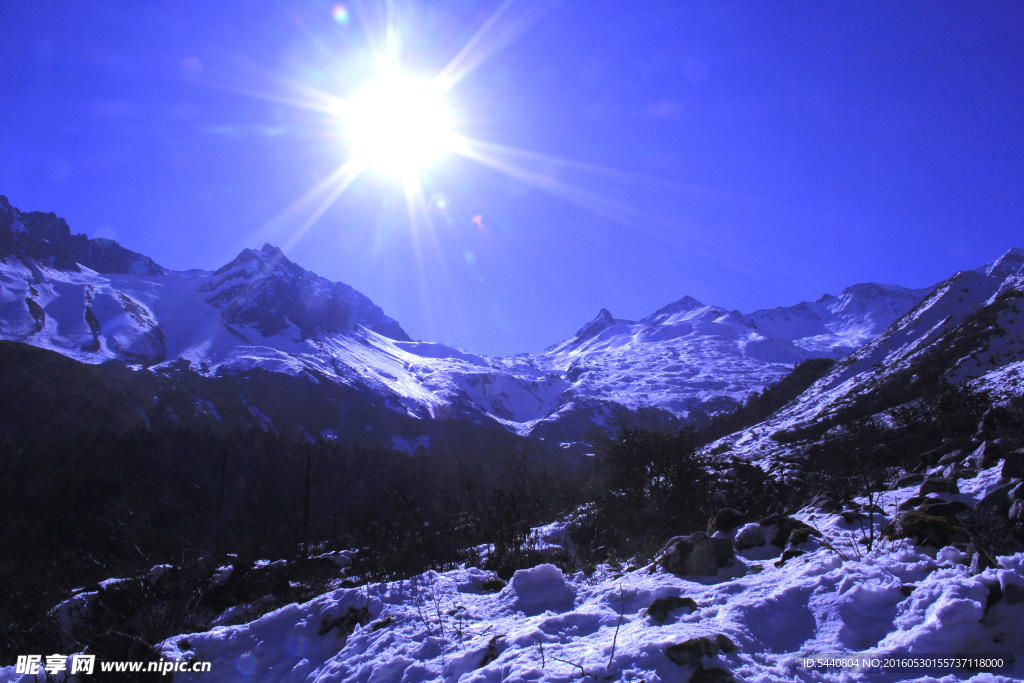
937, 485
851, 516
785, 526
926, 529
713, 675
978, 564
985, 455
1013, 466
726, 520
787, 555
995, 595
723, 551
918, 501
802, 535
1017, 512
1017, 492
695, 555
963, 473
1009, 443
947, 447
693, 651
660, 608
749, 536
948, 508
345, 623
951, 457
998, 499
909, 480
990, 534
492, 585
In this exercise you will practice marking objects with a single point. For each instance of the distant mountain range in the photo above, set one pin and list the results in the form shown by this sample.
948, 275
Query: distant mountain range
263, 343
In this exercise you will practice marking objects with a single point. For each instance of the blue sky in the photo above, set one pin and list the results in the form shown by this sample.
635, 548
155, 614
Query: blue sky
748, 154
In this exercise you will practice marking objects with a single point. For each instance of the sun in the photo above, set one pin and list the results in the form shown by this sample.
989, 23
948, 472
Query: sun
398, 124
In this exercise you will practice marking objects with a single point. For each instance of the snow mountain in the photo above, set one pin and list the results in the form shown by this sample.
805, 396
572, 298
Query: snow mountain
969, 328
95, 301
690, 360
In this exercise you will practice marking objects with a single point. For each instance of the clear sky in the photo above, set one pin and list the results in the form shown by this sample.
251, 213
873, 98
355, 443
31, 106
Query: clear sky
749, 154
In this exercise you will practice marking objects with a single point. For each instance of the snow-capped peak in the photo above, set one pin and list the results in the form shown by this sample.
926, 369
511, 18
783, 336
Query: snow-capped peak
603, 320
685, 305
264, 290
1010, 263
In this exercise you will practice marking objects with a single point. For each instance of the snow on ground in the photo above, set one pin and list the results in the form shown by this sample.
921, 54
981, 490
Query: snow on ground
546, 626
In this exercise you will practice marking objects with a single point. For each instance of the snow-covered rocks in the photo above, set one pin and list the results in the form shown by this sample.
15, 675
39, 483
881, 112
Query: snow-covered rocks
749, 626
538, 589
696, 554
749, 536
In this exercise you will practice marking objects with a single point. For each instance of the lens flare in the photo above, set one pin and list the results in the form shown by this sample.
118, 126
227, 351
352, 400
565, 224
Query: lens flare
399, 124
340, 14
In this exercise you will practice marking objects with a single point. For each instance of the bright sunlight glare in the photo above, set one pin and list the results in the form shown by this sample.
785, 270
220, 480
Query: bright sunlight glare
398, 125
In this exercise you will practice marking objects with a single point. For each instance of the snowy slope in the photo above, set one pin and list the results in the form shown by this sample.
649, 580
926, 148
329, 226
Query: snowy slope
836, 325
692, 360
971, 327
546, 626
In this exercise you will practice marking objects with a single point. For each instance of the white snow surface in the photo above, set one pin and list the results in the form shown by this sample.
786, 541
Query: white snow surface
545, 626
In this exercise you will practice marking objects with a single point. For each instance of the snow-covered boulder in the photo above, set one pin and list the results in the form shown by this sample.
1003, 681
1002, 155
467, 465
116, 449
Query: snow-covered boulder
749, 536
539, 589
696, 554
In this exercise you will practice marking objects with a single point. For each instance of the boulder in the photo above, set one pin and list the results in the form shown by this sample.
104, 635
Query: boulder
726, 520
1017, 512
991, 535
960, 472
787, 555
938, 485
712, 675
851, 516
951, 457
695, 555
1013, 466
693, 651
802, 535
926, 529
998, 500
909, 480
660, 608
939, 453
1009, 443
749, 536
784, 527
918, 501
949, 508
985, 455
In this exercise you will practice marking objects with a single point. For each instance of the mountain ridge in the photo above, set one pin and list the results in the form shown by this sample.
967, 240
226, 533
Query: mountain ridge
685, 361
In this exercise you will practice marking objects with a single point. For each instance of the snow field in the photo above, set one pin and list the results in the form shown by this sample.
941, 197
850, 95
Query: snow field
547, 626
